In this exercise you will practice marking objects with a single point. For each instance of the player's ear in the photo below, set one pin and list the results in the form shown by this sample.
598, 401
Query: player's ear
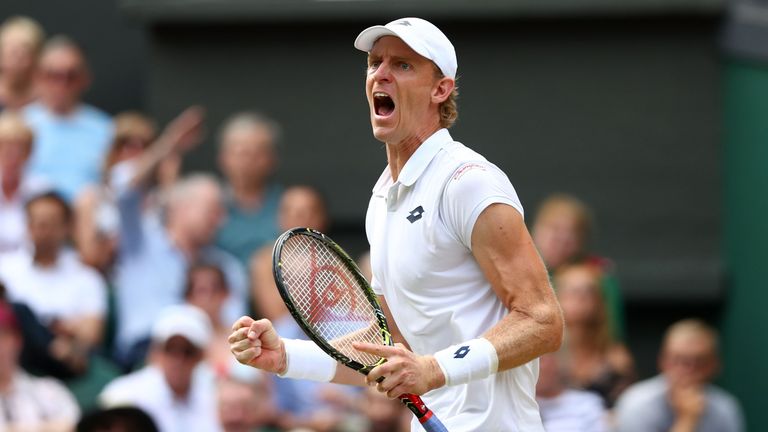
442, 89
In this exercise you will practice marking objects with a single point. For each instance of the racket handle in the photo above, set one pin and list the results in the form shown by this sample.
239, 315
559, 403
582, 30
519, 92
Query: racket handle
427, 418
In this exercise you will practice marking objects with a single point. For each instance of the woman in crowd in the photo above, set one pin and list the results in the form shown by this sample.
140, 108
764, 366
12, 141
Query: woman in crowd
562, 231
21, 40
15, 187
596, 361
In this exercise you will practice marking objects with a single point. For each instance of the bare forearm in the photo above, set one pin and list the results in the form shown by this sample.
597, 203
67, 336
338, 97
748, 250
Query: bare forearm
522, 336
348, 376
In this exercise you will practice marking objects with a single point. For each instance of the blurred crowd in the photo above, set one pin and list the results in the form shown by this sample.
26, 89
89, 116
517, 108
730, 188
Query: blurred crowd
120, 277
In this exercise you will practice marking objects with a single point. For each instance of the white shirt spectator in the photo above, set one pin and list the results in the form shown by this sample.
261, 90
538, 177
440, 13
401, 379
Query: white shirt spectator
32, 402
148, 390
69, 289
573, 411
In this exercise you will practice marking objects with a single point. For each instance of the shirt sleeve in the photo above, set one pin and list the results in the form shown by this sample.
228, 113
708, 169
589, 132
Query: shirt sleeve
93, 300
471, 189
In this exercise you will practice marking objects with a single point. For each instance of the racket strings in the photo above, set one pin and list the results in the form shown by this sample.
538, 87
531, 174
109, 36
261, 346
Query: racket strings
328, 296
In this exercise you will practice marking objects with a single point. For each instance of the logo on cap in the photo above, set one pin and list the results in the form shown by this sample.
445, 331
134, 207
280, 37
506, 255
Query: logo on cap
403, 23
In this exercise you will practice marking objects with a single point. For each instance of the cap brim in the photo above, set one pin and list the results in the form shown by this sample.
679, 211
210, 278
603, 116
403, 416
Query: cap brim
369, 36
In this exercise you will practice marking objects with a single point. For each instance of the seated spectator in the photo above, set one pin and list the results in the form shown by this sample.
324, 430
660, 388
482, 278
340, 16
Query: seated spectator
562, 408
155, 254
247, 159
136, 161
122, 419
15, 187
66, 295
207, 289
596, 361
71, 137
245, 401
21, 39
561, 232
29, 403
682, 398
176, 389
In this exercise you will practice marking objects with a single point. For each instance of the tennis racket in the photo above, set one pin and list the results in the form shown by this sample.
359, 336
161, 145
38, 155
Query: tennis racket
333, 303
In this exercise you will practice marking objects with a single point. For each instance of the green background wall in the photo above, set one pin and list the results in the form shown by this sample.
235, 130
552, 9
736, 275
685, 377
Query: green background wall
745, 327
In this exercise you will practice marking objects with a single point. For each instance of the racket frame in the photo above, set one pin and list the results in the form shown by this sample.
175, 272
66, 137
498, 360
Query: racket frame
381, 319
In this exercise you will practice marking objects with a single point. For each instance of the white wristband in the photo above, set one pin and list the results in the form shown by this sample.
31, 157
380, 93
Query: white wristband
305, 360
468, 361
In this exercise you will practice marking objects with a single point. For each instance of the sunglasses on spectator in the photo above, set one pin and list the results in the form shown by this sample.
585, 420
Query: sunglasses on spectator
692, 361
66, 76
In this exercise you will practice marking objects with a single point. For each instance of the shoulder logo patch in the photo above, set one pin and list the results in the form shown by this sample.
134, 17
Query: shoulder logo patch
461, 352
415, 214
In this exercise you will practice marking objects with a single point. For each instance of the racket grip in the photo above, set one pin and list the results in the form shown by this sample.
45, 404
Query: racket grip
426, 417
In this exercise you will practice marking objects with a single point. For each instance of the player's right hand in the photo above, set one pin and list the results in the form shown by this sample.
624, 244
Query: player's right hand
256, 343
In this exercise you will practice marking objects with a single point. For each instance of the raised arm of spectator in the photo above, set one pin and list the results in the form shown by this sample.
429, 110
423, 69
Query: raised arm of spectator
182, 134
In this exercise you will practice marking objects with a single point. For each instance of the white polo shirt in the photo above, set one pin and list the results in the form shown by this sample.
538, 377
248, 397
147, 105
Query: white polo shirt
420, 231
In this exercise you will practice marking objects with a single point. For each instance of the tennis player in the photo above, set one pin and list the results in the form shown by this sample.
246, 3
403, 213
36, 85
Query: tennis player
464, 290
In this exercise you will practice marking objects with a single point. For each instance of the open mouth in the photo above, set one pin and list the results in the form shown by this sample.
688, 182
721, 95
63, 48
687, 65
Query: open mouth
383, 105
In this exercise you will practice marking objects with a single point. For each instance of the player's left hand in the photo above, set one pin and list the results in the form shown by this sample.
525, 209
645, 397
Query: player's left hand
403, 372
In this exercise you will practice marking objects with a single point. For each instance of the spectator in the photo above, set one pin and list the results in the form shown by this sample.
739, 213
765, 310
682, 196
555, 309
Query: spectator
21, 39
562, 231
155, 254
597, 362
29, 403
682, 398
562, 408
66, 295
300, 206
176, 389
71, 137
247, 158
136, 161
123, 419
245, 401
207, 289
15, 187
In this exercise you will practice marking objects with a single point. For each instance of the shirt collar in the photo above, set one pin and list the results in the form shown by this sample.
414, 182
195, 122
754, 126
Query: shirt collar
423, 155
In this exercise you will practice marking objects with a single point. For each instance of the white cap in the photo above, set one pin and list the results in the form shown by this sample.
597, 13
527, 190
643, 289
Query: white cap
421, 35
183, 320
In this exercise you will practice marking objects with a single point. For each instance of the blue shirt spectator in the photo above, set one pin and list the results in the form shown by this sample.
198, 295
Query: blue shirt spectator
68, 151
155, 255
71, 138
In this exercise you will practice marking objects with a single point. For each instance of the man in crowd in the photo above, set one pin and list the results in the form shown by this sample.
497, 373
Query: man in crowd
66, 295
465, 292
21, 39
155, 254
682, 398
71, 137
29, 403
175, 388
248, 160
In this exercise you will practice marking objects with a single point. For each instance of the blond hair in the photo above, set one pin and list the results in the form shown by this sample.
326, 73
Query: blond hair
563, 204
13, 127
30, 31
692, 326
127, 124
449, 108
